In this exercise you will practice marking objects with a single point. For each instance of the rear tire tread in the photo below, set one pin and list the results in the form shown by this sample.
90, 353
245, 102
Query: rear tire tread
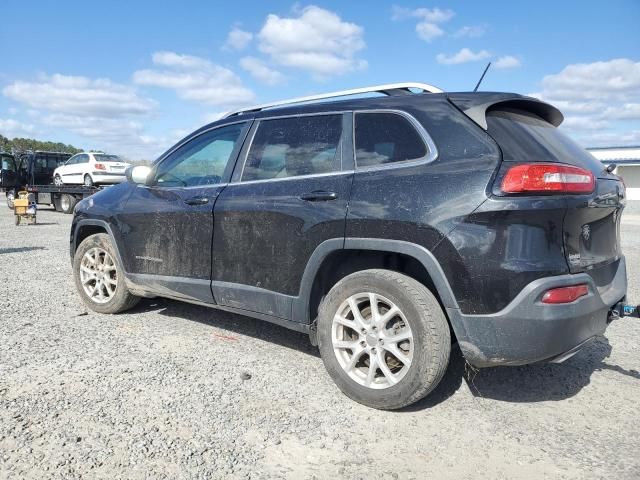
436, 350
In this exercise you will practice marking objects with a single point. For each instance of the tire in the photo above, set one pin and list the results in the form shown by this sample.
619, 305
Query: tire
10, 197
419, 315
88, 181
100, 246
67, 203
57, 180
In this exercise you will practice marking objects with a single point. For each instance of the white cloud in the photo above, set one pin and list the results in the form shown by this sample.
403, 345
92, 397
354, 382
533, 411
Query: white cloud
317, 40
614, 78
507, 61
600, 100
473, 31
99, 110
427, 28
611, 138
583, 123
11, 128
435, 15
238, 39
212, 116
630, 111
428, 31
195, 78
79, 95
463, 56
259, 70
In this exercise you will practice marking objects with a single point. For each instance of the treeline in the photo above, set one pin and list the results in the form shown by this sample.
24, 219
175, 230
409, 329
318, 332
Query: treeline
18, 145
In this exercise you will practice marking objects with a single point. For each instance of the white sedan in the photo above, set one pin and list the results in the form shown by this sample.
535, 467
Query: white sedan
89, 168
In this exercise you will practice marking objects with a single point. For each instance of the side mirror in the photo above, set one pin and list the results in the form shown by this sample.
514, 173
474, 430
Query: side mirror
139, 174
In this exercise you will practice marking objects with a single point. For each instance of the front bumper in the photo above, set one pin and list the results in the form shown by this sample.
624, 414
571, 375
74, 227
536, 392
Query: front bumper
528, 331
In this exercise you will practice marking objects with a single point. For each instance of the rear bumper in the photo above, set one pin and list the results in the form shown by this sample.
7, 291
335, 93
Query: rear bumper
102, 177
528, 331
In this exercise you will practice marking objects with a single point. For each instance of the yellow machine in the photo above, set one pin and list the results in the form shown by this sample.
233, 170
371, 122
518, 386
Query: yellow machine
25, 207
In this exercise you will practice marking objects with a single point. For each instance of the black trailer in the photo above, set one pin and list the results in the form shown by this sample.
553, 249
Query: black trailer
33, 171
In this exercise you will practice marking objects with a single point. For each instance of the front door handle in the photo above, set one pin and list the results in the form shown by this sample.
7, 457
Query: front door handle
318, 196
197, 201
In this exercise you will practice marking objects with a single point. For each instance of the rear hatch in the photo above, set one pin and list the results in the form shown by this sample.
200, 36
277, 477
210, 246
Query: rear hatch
113, 164
591, 228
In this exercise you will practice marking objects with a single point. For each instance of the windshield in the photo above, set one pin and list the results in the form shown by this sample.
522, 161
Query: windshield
102, 158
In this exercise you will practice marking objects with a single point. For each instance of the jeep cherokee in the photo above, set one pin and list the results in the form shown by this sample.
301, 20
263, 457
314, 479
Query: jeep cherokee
386, 227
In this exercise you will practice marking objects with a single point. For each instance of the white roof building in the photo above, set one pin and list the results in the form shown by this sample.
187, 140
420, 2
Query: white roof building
627, 160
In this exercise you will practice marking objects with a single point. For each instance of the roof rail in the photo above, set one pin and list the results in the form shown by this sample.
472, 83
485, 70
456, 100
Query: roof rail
386, 89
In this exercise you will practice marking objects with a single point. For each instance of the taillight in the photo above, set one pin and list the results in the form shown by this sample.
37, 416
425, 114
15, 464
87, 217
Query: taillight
100, 166
565, 294
547, 178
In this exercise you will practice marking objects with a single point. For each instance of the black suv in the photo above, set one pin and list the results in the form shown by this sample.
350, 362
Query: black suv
386, 227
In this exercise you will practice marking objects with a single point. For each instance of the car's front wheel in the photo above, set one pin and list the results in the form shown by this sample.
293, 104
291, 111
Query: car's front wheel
99, 276
57, 180
383, 338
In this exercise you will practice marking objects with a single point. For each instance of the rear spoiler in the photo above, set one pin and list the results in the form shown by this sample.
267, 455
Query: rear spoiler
476, 106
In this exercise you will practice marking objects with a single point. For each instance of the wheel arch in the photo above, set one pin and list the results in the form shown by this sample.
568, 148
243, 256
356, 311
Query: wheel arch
87, 227
417, 262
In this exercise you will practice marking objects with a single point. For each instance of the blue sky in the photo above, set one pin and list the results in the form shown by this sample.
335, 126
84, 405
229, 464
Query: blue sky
133, 77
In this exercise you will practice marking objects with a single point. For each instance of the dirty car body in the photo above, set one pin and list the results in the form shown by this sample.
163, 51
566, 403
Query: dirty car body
456, 214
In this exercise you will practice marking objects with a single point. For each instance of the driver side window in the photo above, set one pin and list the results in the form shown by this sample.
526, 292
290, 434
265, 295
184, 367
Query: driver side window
203, 159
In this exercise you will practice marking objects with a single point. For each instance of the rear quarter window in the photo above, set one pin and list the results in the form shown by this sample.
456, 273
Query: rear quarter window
386, 138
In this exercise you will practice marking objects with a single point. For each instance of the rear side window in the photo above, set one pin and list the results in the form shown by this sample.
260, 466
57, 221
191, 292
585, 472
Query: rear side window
290, 147
383, 138
525, 137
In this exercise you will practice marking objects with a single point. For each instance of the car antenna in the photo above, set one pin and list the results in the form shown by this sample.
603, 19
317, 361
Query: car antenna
482, 77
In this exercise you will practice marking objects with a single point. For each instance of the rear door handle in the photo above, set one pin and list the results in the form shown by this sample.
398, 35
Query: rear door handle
197, 201
318, 196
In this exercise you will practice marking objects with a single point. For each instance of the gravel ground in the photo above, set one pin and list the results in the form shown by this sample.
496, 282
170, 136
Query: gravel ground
172, 390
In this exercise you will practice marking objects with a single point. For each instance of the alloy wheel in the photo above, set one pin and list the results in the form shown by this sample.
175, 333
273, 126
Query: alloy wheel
98, 275
372, 340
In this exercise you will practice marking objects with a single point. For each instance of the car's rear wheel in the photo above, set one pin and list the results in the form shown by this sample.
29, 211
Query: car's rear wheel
383, 338
88, 181
99, 276
57, 180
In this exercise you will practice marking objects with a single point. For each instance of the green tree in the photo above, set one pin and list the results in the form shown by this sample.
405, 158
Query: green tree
18, 145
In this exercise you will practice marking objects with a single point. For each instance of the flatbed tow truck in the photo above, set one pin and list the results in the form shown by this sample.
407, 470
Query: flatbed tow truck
33, 171
62, 198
